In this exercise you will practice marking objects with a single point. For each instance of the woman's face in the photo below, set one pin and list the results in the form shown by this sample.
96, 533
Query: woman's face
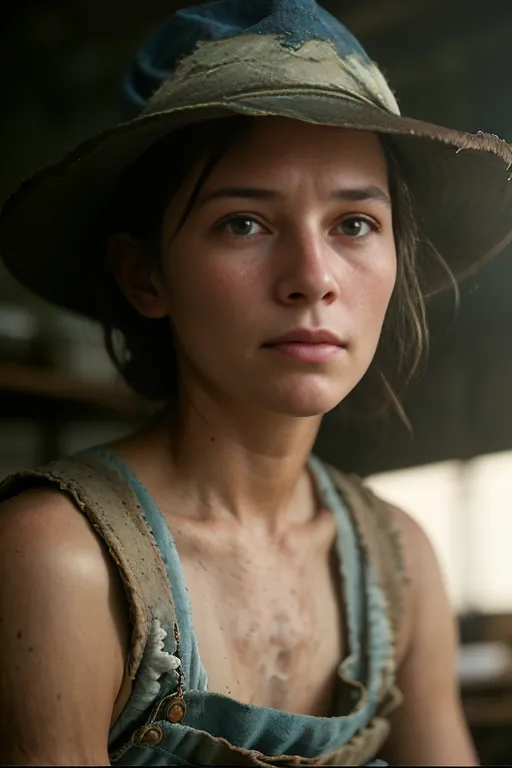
291, 233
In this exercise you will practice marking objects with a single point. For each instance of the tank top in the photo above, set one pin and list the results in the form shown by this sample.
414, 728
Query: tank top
171, 718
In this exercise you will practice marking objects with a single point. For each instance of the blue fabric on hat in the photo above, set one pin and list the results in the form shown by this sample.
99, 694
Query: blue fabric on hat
293, 21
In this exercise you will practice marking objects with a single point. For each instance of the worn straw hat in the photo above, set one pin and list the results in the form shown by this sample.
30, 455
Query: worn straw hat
256, 57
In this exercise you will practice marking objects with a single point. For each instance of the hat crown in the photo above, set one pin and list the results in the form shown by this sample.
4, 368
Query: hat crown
293, 22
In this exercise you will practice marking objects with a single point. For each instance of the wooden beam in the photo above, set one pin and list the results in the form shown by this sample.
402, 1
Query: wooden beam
374, 17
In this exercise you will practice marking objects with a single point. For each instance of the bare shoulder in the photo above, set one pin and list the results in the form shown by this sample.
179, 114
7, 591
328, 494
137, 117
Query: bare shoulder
43, 533
63, 633
43, 517
429, 728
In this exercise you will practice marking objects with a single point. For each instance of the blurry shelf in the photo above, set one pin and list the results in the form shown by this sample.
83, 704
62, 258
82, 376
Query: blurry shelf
485, 712
488, 702
35, 392
503, 683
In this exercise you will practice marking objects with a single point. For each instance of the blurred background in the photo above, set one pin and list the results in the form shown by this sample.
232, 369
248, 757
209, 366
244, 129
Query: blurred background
450, 61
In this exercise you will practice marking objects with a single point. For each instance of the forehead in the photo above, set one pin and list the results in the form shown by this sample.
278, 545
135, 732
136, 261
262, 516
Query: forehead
276, 147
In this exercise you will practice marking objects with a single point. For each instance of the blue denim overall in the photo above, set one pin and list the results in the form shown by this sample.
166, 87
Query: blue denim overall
217, 729
171, 718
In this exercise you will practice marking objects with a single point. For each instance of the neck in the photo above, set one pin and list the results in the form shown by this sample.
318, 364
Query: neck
248, 466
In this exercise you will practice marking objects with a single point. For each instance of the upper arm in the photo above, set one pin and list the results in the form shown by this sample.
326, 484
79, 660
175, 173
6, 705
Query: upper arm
62, 634
429, 727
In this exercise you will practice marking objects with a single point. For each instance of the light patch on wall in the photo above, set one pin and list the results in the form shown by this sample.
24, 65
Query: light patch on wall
431, 495
490, 514
466, 510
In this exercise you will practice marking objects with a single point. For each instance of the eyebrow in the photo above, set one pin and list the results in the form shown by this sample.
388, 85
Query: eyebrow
348, 194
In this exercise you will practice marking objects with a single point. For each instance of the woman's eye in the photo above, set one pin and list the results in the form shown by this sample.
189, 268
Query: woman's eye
357, 226
241, 226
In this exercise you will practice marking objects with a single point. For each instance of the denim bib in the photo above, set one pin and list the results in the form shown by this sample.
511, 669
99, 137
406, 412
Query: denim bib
212, 719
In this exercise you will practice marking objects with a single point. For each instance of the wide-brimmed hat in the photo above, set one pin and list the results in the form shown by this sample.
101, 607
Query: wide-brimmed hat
286, 58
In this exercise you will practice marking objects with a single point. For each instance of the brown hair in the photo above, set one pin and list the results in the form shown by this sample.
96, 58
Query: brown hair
142, 349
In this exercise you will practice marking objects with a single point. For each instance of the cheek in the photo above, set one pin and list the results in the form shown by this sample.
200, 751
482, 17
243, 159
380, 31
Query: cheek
215, 296
374, 287
387, 279
386, 274
379, 271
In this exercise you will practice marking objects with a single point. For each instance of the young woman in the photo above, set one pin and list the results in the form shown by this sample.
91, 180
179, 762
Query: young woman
206, 591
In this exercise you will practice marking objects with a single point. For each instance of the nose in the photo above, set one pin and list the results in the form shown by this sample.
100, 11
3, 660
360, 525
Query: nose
307, 270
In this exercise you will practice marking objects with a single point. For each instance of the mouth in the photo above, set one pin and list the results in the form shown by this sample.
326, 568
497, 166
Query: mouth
306, 353
307, 345
307, 336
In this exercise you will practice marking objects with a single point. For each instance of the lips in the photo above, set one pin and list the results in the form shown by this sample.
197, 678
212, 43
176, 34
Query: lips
307, 345
307, 336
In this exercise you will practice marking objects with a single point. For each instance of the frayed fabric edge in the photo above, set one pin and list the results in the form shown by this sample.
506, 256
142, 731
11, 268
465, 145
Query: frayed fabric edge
156, 662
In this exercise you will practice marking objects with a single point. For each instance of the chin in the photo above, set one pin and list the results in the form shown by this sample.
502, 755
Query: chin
307, 409
307, 401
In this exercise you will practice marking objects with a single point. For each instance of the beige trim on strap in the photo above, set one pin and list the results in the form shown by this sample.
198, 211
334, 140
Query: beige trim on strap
380, 538
382, 543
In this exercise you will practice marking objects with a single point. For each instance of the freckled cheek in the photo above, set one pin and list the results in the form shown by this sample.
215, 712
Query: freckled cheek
381, 279
212, 298
372, 291
385, 284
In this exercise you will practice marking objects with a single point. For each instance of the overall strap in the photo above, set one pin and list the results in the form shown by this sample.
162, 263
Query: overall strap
380, 539
115, 514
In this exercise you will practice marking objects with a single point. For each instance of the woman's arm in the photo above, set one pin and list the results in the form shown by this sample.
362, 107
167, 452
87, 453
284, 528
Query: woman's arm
429, 727
63, 634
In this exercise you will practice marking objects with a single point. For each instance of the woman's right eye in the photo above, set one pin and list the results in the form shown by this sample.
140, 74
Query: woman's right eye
240, 226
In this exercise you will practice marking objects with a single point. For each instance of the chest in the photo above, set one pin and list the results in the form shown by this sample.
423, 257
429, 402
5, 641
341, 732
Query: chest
268, 616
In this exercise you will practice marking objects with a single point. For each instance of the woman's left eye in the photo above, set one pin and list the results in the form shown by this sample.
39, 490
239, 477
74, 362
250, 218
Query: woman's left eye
357, 226
241, 226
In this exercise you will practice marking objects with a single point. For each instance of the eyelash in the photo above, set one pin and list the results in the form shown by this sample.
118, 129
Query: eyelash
221, 225
374, 226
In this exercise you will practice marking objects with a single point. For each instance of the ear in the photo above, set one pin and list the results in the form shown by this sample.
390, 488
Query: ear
134, 272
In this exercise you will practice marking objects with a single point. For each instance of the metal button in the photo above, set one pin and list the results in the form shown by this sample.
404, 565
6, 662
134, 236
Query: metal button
150, 734
176, 711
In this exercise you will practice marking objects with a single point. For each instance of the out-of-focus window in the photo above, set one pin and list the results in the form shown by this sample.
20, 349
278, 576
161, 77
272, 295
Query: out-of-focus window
466, 510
